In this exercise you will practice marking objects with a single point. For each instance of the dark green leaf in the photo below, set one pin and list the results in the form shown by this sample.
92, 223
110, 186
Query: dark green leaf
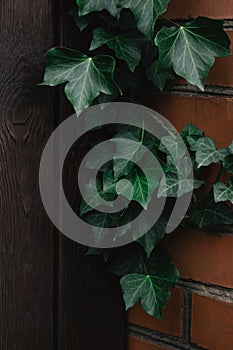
87, 6
206, 152
152, 288
95, 196
173, 146
228, 164
191, 49
146, 13
81, 22
127, 46
159, 78
212, 214
150, 240
128, 152
223, 193
85, 77
190, 134
171, 186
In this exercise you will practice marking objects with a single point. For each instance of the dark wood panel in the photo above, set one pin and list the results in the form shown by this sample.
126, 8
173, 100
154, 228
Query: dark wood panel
26, 121
91, 311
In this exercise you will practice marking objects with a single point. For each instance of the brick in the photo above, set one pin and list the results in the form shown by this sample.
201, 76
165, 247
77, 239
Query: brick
200, 256
183, 9
211, 114
172, 316
222, 71
138, 344
212, 323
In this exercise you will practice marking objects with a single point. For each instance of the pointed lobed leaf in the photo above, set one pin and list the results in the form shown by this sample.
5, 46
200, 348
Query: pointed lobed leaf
85, 77
87, 6
159, 78
152, 288
146, 13
171, 186
127, 47
190, 134
191, 49
228, 164
206, 152
173, 146
95, 196
213, 214
83, 21
150, 240
223, 193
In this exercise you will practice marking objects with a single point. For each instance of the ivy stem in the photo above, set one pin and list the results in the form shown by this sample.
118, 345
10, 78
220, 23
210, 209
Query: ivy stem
170, 20
143, 131
144, 265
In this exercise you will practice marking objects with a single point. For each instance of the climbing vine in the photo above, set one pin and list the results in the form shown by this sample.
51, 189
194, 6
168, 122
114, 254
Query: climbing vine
134, 46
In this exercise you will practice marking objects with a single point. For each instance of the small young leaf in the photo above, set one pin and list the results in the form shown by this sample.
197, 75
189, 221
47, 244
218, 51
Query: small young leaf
191, 49
190, 134
206, 152
223, 193
85, 77
127, 46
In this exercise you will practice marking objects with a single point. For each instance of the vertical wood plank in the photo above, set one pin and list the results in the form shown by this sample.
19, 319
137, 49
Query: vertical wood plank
91, 311
26, 121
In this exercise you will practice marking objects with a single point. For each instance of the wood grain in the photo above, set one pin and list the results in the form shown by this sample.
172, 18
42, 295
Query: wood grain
26, 120
90, 308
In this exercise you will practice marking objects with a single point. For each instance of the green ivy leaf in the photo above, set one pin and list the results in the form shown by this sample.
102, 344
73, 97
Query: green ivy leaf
206, 152
87, 6
150, 240
143, 184
159, 78
231, 148
228, 164
129, 150
95, 200
172, 145
99, 221
127, 46
152, 288
222, 192
83, 21
136, 188
212, 214
191, 49
85, 77
171, 186
146, 13
190, 134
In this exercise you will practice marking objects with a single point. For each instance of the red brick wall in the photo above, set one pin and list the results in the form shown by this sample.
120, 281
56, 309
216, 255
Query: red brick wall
199, 315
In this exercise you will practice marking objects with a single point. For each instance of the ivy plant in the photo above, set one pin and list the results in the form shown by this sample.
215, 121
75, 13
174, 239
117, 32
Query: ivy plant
134, 46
